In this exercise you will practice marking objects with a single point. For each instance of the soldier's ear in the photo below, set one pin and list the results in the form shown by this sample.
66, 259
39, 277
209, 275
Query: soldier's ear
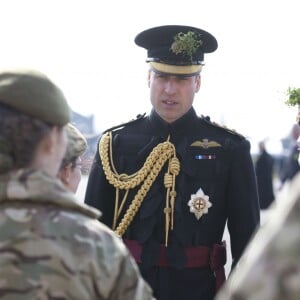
47, 144
52, 139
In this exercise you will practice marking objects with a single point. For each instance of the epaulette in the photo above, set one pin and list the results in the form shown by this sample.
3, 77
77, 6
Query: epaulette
138, 117
207, 120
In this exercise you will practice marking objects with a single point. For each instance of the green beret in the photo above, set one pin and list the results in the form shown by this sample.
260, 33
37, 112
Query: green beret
77, 144
33, 94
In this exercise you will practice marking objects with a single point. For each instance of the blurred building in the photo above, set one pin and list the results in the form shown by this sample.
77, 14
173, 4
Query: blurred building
84, 123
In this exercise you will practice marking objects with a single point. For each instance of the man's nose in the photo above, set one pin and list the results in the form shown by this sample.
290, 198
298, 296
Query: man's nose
170, 86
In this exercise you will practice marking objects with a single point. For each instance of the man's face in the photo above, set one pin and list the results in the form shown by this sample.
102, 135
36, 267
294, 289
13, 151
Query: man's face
172, 96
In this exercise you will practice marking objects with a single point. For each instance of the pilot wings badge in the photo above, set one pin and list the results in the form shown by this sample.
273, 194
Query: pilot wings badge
199, 204
205, 143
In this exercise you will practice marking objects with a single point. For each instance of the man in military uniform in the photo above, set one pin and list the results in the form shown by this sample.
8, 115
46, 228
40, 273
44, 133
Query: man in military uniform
168, 182
291, 165
52, 246
264, 169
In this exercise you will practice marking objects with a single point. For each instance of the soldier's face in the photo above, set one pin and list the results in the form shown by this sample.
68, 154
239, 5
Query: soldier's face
172, 96
70, 175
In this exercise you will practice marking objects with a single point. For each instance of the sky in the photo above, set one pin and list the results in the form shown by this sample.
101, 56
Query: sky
87, 48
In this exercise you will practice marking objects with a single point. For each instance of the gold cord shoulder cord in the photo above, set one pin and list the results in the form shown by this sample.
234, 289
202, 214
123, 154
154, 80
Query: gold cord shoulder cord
159, 155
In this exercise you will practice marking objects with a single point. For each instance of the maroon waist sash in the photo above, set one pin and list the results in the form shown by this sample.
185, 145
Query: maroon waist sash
196, 257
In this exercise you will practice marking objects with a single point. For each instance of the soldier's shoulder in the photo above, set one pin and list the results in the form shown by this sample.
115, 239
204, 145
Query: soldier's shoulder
138, 118
207, 120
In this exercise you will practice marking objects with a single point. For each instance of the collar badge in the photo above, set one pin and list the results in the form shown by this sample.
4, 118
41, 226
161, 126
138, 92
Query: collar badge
199, 204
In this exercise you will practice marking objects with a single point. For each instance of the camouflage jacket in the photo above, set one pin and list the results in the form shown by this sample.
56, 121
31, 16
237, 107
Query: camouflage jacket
53, 247
270, 267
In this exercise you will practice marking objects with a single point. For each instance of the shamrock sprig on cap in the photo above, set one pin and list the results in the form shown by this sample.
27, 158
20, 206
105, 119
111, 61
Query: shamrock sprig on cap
186, 43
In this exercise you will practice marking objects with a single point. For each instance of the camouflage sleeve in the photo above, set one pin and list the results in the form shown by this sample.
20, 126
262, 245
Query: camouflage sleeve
130, 284
270, 266
118, 275
47, 253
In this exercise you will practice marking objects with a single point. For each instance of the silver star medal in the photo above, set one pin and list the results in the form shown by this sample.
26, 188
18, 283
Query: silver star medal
199, 204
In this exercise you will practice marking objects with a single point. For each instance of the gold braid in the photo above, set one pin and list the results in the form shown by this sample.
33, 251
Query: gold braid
147, 174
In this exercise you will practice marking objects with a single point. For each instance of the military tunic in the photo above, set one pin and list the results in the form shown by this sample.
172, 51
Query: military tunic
264, 173
211, 158
53, 247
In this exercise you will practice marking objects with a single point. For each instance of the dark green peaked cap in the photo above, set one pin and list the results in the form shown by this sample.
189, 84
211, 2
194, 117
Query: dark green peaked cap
33, 94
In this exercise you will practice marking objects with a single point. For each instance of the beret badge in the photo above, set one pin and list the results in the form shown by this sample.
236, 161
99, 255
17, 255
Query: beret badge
186, 43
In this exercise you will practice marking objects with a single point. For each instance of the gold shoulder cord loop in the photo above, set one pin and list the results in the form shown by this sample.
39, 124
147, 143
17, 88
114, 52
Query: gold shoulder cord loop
145, 177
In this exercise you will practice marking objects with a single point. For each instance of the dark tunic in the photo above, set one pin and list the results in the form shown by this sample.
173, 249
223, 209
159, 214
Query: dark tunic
290, 165
225, 173
264, 173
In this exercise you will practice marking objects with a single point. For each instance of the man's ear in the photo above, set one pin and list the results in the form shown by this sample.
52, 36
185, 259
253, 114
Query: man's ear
198, 83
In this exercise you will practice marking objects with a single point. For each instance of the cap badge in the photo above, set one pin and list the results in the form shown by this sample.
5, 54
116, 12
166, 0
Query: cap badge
205, 143
186, 43
199, 204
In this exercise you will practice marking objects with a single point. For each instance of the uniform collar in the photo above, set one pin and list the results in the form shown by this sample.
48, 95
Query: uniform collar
175, 129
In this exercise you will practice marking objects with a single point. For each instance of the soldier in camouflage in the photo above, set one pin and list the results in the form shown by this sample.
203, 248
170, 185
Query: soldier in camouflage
51, 245
70, 169
270, 266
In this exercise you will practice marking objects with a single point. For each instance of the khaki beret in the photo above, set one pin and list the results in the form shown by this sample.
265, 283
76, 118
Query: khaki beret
33, 94
76, 146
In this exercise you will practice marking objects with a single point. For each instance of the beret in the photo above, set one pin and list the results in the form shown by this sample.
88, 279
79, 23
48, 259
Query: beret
34, 94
